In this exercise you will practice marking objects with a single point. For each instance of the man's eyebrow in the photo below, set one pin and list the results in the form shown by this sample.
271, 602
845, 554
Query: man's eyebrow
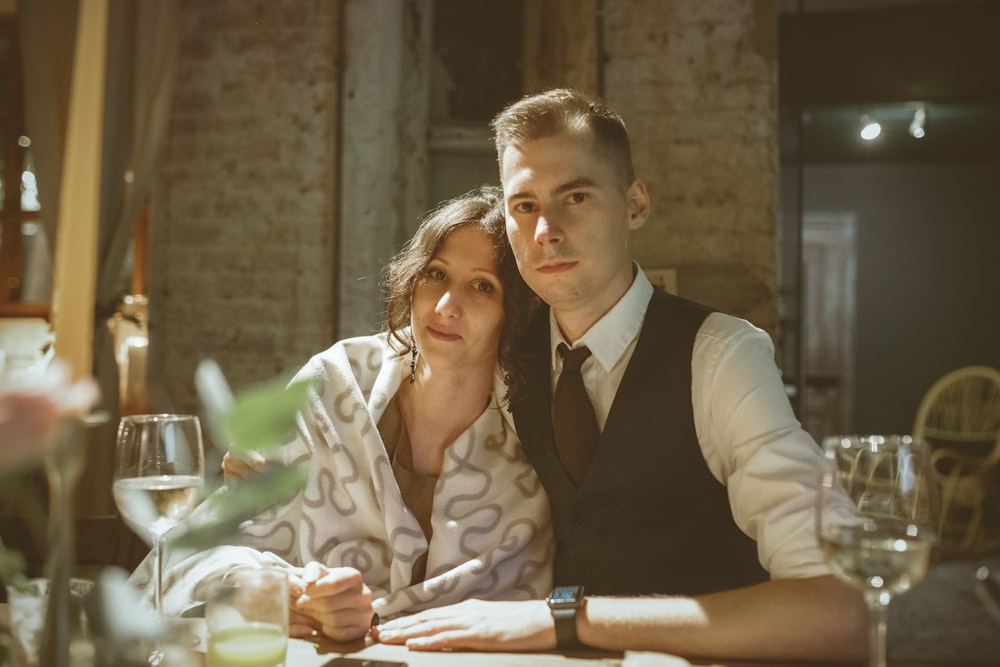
581, 182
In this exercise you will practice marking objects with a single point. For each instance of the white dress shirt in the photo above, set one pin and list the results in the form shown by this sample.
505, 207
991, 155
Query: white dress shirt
748, 434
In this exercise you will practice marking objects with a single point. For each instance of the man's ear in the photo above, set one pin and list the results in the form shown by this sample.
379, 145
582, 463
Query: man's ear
638, 203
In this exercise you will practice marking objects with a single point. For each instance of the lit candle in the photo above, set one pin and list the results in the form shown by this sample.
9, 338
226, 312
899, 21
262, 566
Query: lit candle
76, 240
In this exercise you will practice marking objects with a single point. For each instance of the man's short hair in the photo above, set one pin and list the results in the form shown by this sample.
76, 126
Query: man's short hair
562, 110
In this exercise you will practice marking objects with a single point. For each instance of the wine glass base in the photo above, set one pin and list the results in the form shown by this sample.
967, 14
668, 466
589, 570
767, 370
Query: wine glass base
156, 656
171, 652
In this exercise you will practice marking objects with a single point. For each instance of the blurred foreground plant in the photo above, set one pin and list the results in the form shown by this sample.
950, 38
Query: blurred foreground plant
259, 419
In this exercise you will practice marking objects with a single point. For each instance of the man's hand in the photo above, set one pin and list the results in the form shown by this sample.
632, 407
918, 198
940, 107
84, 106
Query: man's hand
334, 601
475, 625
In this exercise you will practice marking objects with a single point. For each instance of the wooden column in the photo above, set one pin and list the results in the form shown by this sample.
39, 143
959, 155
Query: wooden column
562, 46
76, 242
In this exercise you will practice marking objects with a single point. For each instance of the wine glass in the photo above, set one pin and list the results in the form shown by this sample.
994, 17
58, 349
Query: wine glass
876, 518
159, 468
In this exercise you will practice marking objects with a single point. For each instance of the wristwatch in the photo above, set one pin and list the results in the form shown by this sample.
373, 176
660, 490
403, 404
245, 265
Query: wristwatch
563, 602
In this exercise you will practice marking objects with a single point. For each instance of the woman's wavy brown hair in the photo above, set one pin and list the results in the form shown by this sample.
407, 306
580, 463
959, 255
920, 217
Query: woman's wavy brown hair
484, 208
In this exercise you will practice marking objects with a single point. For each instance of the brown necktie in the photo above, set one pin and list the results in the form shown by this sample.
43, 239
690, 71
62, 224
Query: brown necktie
573, 420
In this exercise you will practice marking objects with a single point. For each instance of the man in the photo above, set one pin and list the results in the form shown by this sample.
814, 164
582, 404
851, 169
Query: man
697, 447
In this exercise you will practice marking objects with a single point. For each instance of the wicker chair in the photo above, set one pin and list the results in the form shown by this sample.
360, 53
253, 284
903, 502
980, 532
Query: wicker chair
960, 417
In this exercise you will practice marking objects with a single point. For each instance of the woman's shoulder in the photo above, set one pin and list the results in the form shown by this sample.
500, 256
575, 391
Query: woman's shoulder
354, 349
357, 362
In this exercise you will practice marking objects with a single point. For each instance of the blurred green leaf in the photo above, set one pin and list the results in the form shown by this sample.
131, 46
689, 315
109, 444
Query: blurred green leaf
263, 418
13, 567
217, 520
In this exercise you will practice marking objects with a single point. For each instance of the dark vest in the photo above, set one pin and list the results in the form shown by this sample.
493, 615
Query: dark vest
649, 517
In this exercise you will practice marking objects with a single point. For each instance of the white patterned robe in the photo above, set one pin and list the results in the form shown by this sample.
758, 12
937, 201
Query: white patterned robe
491, 536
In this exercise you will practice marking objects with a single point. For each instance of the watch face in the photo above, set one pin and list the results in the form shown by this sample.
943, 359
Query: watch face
566, 596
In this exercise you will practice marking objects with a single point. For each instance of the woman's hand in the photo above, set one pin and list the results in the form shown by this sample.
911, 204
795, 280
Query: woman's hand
240, 466
334, 601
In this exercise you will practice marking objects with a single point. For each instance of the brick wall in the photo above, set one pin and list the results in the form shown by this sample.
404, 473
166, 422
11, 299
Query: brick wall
243, 227
696, 81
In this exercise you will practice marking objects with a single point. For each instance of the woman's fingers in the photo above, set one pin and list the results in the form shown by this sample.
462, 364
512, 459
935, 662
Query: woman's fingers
302, 625
237, 467
337, 599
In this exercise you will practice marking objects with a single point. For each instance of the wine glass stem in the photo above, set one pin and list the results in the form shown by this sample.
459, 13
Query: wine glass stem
158, 576
877, 634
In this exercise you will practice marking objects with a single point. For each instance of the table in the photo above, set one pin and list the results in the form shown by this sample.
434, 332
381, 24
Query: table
309, 654
305, 653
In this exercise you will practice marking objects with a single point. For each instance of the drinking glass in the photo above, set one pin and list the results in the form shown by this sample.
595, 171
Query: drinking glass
159, 468
876, 519
246, 618
27, 603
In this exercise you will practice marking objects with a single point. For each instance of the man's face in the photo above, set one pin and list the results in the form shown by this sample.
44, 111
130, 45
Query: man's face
568, 219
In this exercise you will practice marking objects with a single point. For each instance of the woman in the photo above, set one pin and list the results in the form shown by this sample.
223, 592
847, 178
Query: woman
418, 492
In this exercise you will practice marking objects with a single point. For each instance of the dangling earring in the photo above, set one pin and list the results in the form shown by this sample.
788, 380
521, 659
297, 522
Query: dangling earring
413, 362
506, 398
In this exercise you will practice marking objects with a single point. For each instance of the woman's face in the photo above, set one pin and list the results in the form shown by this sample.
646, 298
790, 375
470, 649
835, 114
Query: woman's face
457, 308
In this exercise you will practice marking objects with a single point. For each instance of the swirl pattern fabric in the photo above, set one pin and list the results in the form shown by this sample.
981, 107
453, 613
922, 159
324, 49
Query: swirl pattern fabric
492, 536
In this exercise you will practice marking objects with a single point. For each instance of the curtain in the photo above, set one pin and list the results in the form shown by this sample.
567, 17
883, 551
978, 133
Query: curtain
141, 58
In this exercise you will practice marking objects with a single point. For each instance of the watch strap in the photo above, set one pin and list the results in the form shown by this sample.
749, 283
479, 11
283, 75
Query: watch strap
565, 622
564, 601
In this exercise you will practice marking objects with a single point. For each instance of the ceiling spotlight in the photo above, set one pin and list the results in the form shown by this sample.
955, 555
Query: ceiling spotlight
917, 124
870, 128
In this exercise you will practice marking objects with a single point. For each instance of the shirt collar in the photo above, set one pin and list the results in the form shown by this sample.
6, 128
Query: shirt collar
609, 337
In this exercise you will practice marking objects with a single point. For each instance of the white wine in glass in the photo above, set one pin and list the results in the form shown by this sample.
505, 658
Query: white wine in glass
159, 469
876, 519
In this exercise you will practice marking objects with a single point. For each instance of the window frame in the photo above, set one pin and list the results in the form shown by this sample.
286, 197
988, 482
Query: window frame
12, 218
